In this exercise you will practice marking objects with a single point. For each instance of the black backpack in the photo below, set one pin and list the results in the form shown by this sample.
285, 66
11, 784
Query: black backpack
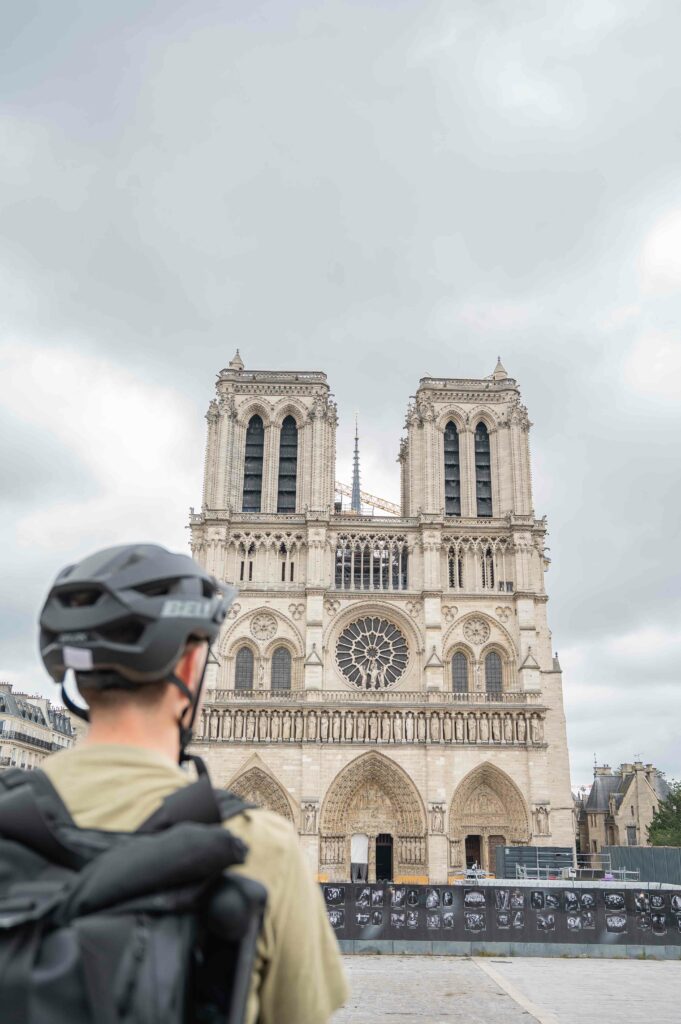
144, 927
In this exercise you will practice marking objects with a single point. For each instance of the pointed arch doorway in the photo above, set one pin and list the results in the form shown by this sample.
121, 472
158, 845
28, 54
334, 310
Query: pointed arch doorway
374, 798
487, 810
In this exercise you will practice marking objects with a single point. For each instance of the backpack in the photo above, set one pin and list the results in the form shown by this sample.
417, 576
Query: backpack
123, 928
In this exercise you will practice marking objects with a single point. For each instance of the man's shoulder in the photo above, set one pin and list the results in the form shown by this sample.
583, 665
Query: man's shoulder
255, 825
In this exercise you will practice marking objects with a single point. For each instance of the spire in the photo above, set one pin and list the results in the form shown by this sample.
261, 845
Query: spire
356, 503
499, 371
237, 363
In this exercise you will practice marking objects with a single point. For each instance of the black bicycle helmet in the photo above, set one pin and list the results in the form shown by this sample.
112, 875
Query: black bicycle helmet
128, 612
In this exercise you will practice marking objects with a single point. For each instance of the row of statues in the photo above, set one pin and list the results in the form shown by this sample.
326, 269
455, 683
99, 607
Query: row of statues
314, 726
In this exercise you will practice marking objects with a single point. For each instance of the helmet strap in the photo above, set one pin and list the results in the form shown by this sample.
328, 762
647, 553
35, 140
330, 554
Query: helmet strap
74, 708
187, 728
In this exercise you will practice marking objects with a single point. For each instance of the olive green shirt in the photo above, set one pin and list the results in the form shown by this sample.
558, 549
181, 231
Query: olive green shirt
298, 978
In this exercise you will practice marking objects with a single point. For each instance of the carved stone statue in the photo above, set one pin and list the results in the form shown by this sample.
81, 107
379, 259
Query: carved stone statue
472, 729
409, 727
324, 727
536, 729
263, 725
336, 727
455, 852
250, 726
239, 725
373, 726
484, 729
508, 728
459, 728
309, 818
447, 728
274, 727
521, 729
298, 724
286, 726
349, 725
542, 818
385, 727
437, 818
421, 727
496, 728
227, 725
397, 728
311, 726
361, 726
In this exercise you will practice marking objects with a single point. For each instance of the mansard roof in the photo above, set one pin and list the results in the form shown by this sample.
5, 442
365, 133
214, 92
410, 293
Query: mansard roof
616, 784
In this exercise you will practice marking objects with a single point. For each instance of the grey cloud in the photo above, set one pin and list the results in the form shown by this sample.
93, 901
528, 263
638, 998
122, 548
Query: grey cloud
381, 191
34, 467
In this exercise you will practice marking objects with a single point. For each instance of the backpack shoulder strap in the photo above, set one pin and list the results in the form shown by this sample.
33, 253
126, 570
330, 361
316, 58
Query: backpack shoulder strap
30, 812
230, 804
198, 802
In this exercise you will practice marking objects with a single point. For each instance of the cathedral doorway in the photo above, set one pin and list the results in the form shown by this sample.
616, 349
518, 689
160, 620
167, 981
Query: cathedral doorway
359, 857
374, 804
493, 842
384, 857
473, 851
487, 810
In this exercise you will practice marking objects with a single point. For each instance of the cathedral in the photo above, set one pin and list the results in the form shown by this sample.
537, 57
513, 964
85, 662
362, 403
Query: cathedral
385, 679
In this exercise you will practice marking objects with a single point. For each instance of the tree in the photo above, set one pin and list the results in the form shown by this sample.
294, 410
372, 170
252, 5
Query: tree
665, 828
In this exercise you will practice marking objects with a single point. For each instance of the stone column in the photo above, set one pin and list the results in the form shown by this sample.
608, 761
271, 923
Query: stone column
270, 471
467, 470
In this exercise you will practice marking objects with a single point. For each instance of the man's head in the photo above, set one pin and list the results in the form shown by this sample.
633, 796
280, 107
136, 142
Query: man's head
135, 624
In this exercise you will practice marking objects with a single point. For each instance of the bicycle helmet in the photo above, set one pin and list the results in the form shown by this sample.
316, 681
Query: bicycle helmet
122, 617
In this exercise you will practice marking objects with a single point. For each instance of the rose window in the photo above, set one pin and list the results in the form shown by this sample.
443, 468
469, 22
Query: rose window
372, 653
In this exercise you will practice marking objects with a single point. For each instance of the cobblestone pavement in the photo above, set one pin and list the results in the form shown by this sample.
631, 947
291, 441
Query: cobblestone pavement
498, 990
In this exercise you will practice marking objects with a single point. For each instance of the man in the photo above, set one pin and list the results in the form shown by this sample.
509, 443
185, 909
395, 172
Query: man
135, 624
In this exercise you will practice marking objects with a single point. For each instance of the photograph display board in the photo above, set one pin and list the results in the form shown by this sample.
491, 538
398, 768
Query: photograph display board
504, 913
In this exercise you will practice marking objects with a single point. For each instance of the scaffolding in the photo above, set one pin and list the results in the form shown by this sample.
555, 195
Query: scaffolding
570, 866
369, 500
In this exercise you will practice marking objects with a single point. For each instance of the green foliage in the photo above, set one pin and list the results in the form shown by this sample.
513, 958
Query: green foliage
665, 828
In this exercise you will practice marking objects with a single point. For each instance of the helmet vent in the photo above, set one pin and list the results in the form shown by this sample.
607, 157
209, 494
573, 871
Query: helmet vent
79, 598
158, 588
125, 633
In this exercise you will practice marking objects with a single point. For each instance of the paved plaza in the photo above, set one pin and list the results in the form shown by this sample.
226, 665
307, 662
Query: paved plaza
505, 990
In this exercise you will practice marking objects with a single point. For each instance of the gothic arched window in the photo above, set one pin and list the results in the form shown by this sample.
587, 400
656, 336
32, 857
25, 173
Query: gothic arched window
452, 471
243, 672
455, 568
493, 673
255, 446
483, 471
288, 466
487, 567
281, 669
460, 673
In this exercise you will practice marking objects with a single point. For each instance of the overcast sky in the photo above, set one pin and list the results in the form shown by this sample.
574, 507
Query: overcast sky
377, 190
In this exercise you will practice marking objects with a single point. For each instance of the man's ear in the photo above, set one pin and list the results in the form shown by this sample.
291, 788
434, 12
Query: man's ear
190, 665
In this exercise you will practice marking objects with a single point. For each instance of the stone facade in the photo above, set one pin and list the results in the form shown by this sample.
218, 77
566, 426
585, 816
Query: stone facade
31, 729
619, 807
380, 676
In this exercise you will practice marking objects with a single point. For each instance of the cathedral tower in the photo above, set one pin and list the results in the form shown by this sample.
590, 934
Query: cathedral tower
385, 682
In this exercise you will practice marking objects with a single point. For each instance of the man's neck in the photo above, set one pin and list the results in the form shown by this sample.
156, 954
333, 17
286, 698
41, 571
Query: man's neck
135, 730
